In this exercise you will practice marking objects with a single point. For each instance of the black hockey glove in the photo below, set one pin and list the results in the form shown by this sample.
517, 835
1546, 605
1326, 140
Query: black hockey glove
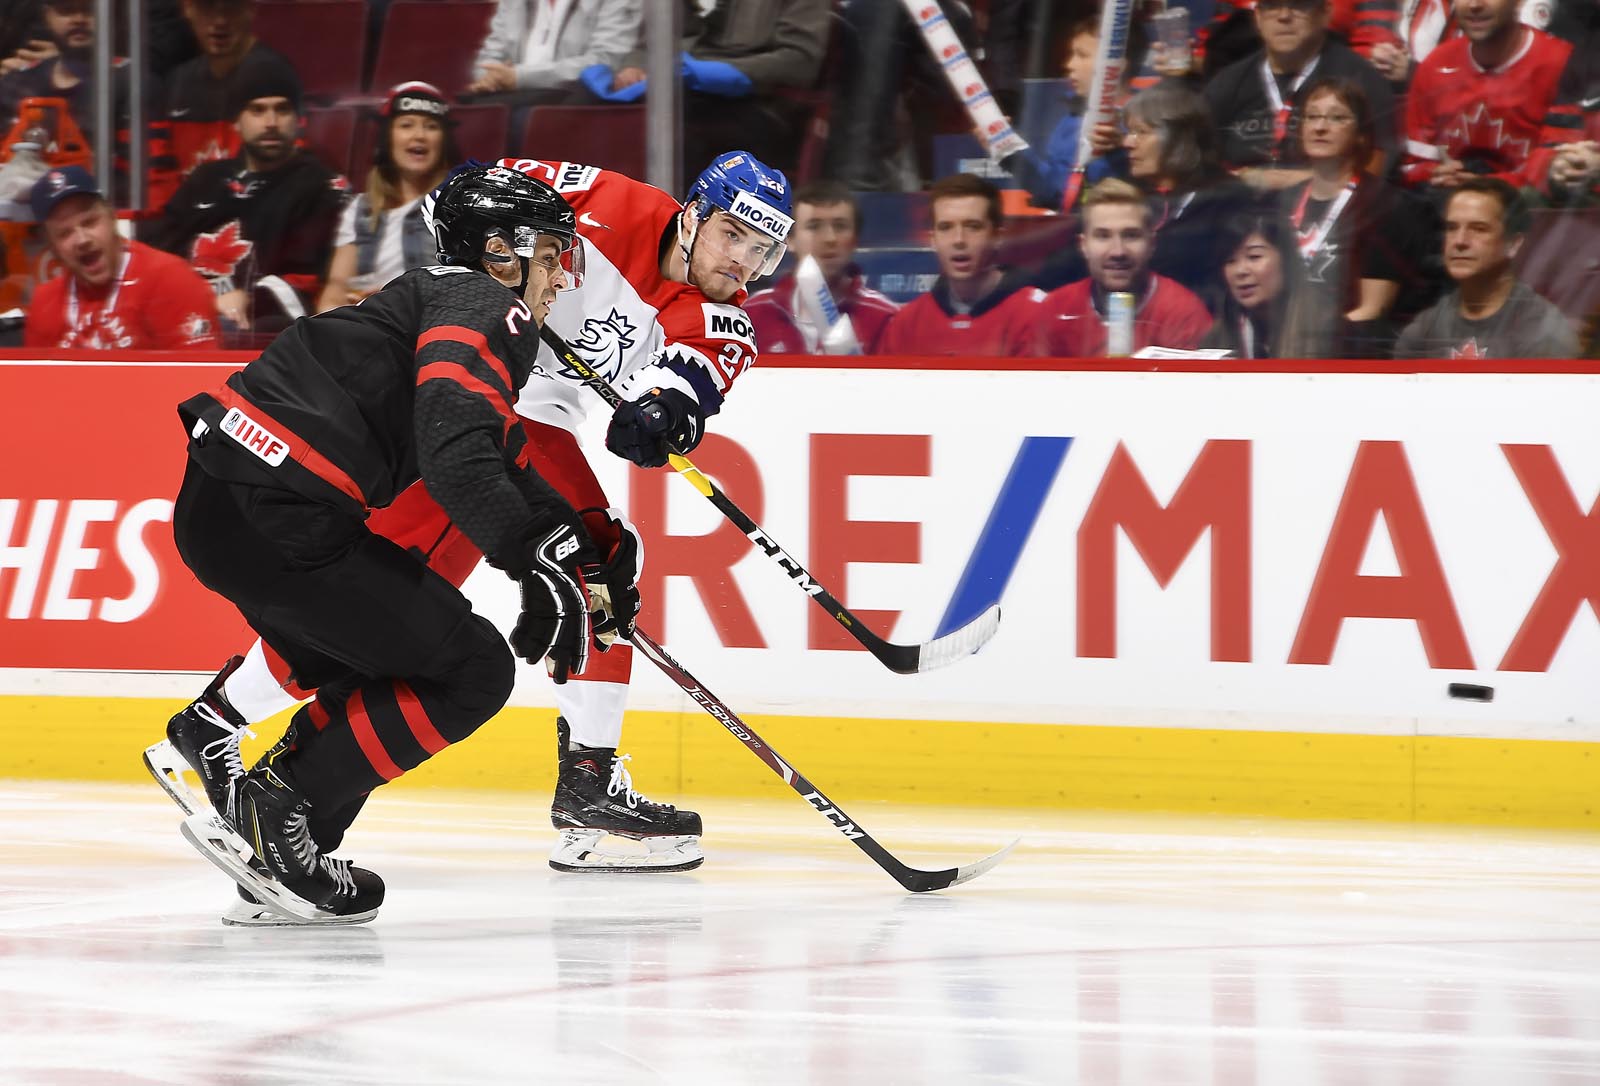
554, 624
662, 421
612, 584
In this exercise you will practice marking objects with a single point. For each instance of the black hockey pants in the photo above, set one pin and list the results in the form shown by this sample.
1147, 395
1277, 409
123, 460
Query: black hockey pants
402, 665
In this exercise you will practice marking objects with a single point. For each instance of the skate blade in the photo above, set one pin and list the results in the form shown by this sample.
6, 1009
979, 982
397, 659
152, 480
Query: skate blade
212, 838
242, 914
172, 773
579, 850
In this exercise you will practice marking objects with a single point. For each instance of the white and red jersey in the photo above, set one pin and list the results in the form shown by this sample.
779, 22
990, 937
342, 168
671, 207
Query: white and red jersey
626, 314
781, 329
1489, 118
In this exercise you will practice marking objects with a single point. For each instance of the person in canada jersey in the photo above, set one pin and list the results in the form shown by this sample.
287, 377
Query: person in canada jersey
657, 313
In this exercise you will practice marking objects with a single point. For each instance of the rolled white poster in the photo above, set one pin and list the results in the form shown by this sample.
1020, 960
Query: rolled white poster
964, 79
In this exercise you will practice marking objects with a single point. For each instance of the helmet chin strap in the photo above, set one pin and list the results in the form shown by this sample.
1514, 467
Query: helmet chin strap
686, 248
522, 261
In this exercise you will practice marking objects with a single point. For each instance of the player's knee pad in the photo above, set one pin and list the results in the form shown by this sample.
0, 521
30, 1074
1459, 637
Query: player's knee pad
481, 674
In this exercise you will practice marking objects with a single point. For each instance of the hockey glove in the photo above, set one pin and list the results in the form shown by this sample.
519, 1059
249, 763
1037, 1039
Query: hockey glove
662, 421
613, 584
554, 623
714, 77
598, 78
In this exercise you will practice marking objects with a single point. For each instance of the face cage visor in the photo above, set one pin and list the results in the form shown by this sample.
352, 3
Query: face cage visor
754, 248
525, 243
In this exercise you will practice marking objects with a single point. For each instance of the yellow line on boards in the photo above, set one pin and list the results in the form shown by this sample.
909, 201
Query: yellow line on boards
1060, 767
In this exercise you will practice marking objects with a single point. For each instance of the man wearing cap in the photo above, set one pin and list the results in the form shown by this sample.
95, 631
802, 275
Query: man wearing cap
260, 225
198, 96
114, 293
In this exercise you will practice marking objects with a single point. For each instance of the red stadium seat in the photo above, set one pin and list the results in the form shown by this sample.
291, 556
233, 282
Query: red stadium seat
329, 133
431, 41
325, 40
481, 131
611, 137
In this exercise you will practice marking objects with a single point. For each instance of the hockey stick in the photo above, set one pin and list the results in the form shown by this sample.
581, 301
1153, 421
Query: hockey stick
913, 879
902, 659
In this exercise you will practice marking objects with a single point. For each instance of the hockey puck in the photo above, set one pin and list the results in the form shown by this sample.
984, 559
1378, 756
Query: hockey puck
1471, 692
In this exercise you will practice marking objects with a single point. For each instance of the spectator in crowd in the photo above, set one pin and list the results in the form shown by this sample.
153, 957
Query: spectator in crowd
827, 222
24, 39
1172, 156
975, 307
199, 94
886, 71
1566, 168
1360, 238
381, 232
1489, 314
1367, 26
536, 48
1477, 103
65, 70
259, 226
1256, 101
1261, 272
1117, 244
739, 57
1044, 171
114, 293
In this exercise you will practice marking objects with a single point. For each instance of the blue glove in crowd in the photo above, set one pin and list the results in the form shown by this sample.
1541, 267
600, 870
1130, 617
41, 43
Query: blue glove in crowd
706, 76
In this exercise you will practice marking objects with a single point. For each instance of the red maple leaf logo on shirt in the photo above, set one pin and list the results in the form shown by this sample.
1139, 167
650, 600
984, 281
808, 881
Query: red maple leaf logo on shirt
1469, 349
218, 254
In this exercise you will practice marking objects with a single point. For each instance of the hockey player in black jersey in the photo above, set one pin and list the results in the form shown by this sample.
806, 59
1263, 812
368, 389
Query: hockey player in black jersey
337, 417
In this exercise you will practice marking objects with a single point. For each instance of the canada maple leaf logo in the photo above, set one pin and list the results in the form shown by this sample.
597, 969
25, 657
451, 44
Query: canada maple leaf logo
1469, 349
217, 254
1483, 134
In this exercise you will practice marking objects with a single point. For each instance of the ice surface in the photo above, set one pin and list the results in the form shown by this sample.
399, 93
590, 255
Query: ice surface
1106, 950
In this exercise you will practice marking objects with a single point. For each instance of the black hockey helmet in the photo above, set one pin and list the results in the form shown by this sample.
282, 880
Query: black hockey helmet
477, 202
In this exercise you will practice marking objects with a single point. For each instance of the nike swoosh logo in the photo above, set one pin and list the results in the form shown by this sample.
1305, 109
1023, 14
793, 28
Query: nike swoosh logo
203, 207
178, 113
1589, 103
589, 220
1447, 71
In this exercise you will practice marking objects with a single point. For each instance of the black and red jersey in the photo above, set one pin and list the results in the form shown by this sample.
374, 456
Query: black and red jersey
233, 224
350, 407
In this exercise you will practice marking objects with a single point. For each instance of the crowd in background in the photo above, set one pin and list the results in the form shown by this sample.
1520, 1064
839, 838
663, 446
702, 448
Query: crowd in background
1278, 179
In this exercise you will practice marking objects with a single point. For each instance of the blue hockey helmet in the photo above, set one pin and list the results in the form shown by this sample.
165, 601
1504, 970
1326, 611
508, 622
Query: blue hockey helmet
743, 187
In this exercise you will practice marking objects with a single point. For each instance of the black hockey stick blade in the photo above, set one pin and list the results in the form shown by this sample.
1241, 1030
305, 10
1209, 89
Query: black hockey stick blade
914, 879
901, 659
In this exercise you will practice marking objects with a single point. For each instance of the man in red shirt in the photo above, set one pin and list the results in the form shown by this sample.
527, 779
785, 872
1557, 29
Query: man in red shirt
975, 307
827, 222
117, 294
1116, 242
1478, 102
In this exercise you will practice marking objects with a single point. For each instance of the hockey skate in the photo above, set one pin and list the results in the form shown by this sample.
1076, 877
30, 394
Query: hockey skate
595, 797
203, 740
249, 911
264, 844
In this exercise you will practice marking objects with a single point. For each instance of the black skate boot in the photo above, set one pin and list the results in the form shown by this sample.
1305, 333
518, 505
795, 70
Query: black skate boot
595, 797
271, 818
205, 737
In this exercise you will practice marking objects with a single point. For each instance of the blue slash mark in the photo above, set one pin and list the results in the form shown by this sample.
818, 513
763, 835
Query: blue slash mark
1016, 510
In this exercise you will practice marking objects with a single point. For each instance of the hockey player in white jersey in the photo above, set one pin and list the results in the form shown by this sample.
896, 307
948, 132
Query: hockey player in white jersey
658, 316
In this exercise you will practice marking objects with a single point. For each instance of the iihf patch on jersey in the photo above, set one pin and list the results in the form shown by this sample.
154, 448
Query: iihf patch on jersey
255, 438
728, 322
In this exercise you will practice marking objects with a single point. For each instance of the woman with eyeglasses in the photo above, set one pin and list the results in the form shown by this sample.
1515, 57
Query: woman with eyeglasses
1360, 240
1172, 155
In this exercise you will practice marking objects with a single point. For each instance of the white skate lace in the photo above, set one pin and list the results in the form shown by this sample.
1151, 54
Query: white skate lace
340, 870
622, 782
298, 834
227, 747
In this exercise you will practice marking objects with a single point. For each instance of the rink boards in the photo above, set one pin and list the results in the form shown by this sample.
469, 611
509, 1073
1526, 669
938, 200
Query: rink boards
1246, 592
